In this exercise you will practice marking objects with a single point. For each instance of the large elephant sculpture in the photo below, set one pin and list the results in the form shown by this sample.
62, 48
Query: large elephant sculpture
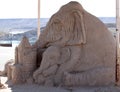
79, 50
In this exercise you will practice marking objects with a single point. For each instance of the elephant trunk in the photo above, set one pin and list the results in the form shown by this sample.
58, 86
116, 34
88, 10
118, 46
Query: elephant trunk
41, 44
42, 41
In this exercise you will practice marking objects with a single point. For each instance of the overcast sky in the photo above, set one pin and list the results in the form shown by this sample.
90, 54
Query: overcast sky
28, 8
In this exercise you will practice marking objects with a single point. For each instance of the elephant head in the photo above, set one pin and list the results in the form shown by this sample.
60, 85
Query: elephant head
66, 27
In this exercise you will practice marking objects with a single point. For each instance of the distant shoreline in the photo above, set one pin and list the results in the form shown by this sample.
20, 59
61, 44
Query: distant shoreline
110, 25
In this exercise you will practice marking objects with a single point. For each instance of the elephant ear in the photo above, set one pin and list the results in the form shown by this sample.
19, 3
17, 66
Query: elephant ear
78, 35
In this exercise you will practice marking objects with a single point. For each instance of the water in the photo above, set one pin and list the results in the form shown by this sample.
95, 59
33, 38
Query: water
108, 19
32, 23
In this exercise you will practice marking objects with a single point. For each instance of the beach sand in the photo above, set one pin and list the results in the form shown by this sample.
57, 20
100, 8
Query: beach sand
28, 87
38, 88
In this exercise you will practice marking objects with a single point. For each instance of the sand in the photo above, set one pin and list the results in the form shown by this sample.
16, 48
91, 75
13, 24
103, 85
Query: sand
38, 88
28, 87
7, 53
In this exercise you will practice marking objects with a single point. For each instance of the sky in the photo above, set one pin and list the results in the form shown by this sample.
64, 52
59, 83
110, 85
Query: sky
28, 8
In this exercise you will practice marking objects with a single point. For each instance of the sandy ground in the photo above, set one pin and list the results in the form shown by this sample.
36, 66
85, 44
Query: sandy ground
38, 88
28, 87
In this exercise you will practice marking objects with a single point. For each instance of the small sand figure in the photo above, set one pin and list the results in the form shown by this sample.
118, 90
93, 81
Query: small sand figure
1, 85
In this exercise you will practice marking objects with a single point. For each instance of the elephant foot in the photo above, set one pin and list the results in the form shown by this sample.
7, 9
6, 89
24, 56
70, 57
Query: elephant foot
36, 76
40, 80
44, 81
45, 77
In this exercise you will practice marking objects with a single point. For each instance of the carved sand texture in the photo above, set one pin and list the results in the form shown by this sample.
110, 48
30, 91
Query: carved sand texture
75, 49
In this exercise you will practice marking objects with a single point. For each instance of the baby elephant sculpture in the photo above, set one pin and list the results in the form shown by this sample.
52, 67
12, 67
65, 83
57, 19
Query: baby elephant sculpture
79, 50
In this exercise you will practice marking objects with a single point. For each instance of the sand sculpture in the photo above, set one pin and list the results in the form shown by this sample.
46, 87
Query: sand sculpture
2, 86
25, 63
75, 49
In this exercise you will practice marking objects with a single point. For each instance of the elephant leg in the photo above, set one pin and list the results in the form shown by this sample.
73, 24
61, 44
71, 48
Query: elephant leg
48, 65
71, 57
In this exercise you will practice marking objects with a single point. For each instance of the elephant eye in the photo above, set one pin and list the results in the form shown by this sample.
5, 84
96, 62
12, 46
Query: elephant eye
56, 22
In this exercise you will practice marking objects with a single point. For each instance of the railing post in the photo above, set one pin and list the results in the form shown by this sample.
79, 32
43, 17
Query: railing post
38, 32
117, 41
